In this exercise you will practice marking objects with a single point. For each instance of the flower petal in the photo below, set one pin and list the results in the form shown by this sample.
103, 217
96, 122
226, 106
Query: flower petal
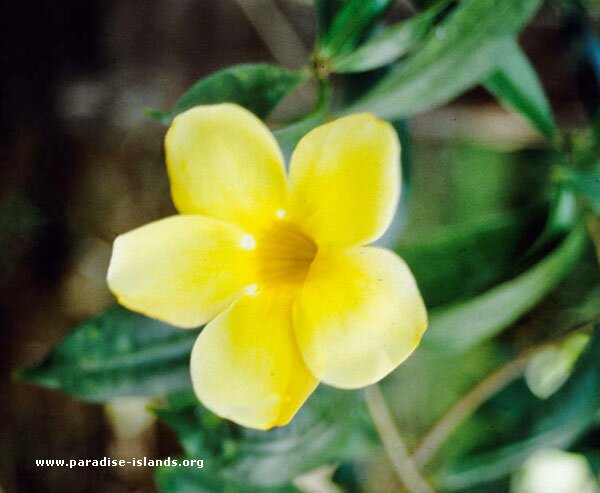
224, 162
358, 316
246, 366
345, 180
183, 270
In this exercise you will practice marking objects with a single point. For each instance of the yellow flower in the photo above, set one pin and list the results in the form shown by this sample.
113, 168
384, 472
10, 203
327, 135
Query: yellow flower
275, 265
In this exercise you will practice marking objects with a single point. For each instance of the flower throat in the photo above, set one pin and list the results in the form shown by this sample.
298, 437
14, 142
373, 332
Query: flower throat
284, 254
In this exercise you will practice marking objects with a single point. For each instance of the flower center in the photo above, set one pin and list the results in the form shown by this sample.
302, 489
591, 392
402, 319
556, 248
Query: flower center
283, 254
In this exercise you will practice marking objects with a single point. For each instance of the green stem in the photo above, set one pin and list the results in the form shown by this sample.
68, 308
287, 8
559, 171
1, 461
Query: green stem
470, 402
466, 406
396, 450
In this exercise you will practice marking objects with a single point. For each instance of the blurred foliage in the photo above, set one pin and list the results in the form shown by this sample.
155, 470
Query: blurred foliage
460, 326
348, 25
482, 253
460, 52
525, 424
261, 461
511, 270
258, 87
117, 353
389, 44
516, 84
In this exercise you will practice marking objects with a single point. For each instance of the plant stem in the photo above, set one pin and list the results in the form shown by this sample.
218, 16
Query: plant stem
470, 402
466, 406
396, 450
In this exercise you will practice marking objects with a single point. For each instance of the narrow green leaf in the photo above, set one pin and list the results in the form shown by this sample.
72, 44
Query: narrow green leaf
459, 53
117, 353
326, 11
575, 302
562, 217
389, 44
555, 422
462, 261
258, 87
331, 426
516, 84
460, 326
350, 24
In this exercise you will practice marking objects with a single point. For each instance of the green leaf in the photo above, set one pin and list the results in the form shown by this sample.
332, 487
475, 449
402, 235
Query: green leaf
562, 217
459, 53
460, 326
117, 353
516, 84
555, 422
575, 302
351, 22
258, 87
389, 44
326, 10
331, 426
461, 261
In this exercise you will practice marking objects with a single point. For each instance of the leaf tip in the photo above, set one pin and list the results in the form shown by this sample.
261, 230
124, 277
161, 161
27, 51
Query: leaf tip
36, 375
162, 118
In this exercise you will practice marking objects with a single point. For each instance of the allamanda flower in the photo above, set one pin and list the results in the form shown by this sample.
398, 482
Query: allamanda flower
273, 264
